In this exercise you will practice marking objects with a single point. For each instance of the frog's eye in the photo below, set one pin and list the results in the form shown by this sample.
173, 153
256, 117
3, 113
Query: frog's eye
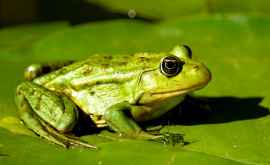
171, 66
189, 52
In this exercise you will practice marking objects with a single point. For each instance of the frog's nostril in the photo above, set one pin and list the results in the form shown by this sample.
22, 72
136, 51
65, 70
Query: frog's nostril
196, 67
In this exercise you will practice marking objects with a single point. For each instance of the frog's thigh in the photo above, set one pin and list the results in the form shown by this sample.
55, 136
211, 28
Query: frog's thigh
120, 120
31, 120
37, 102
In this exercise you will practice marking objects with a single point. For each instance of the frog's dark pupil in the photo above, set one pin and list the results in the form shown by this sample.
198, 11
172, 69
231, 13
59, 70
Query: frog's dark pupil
171, 66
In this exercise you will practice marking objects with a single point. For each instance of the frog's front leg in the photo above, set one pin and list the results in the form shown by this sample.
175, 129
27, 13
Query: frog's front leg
119, 118
47, 114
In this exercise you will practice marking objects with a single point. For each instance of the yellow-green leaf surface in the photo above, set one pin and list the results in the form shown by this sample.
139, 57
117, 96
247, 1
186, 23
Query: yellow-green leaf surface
236, 130
18, 40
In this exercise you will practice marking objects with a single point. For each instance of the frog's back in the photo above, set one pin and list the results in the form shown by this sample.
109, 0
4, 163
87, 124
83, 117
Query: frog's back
94, 65
78, 81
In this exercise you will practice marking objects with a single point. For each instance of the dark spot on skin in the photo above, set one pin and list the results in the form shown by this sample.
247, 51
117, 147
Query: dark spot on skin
38, 105
32, 92
122, 63
22, 103
108, 57
105, 65
98, 82
144, 59
86, 71
62, 71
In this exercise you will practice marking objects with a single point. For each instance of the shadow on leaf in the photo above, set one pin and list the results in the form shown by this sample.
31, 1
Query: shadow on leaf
210, 110
4, 155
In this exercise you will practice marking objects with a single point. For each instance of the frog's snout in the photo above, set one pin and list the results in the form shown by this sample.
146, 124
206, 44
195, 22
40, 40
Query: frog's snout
201, 72
196, 69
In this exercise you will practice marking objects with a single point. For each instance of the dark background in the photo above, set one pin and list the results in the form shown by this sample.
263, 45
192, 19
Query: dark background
14, 12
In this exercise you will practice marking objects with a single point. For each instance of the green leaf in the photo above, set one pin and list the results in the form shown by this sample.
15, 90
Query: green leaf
235, 47
162, 9
16, 42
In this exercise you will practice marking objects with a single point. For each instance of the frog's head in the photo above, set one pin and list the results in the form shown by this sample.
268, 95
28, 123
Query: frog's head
175, 74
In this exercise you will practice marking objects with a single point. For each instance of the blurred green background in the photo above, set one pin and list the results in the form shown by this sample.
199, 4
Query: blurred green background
232, 37
14, 12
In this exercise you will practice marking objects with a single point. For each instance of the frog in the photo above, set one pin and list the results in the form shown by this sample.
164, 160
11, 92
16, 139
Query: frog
117, 91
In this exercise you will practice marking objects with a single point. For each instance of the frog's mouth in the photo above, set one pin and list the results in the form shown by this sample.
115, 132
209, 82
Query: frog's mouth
181, 91
151, 97
177, 92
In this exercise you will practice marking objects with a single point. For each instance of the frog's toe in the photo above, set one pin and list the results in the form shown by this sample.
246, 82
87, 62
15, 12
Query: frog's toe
154, 130
74, 142
78, 143
170, 139
69, 141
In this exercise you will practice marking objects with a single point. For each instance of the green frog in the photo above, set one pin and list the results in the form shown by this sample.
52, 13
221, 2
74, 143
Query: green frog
115, 91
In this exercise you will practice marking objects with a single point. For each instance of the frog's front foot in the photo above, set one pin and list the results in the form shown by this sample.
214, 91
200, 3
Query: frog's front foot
47, 114
167, 138
120, 121
171, 139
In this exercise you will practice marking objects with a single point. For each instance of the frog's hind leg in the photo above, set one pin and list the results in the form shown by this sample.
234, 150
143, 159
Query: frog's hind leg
47, 114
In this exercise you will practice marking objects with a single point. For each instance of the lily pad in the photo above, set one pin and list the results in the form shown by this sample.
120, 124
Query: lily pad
162, 9
235, 131
18, 40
